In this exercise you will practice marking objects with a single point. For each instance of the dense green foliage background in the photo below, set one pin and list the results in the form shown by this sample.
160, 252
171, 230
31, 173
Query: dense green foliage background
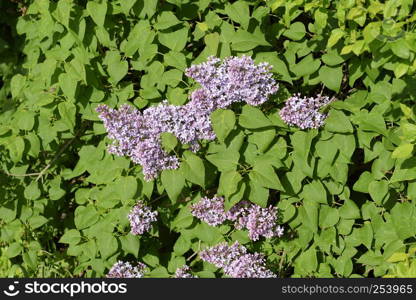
346, 192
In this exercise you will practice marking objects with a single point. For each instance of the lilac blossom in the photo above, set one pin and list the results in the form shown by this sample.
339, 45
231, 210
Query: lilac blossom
141, 218
222, 254
236, 262
304, 112
136, 134
259, 221
125, 270
235, 79
184, 272
210, 210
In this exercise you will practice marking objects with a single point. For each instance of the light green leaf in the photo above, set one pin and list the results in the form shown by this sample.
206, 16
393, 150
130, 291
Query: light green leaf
331, 77
223, 121
97, 11
173, 181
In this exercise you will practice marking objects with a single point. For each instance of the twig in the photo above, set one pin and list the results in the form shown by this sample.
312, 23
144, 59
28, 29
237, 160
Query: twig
66, 145
20, 175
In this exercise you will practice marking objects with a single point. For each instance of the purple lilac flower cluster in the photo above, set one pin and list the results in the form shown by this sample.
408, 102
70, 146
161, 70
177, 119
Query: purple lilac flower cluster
210, 210
141, 218
235, 79
304, 112
259, 221
125, 270
137, 134
236, 262
184, 272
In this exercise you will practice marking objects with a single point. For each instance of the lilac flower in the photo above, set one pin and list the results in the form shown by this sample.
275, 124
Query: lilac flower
304, 112
209, 210
236, 262
125, 270
222, 255
136, 134
141, 218
257, 220
236, 79
184, 272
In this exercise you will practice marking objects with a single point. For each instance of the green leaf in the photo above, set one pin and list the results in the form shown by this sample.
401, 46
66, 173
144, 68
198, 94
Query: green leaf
169, 141
126, 187
173, 182
13, 250
193, 169
130, 244
328, 217
403, 214
315, 191
107, 244
32, 191
378, 190
97, 11
306, 66
243, 40
25, 120
309, 213
182, 245
223, 121
71, 236
403, 151
229, 182
67, 111
68, 85
336, 35
225, 160
296, 31
166, 20
263, 139
17, 84
175, 59
373, 122
16, 148
307, 261
116, 67
253, 118
264, 175
331, 77
400, 48
37, 221
239, 12
349, 210
258, 194
397, 256
361, 185
175, 40
85, 216
337, 121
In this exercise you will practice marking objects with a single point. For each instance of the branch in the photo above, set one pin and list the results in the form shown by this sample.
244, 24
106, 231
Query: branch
66, 145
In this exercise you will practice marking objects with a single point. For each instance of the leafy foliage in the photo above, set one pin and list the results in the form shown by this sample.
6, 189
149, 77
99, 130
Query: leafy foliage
346, 192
